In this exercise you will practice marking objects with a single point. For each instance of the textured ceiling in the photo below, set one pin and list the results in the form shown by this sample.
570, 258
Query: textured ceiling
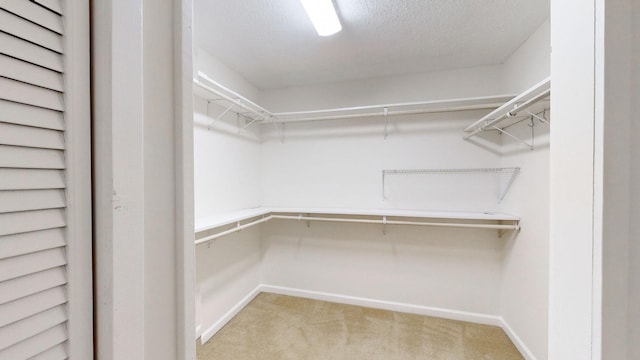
273, 44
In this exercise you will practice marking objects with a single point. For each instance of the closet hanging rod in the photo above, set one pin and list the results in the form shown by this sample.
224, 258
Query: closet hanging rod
516, 110
232, 230
235, 102
230, 95
278, 119
519, 103
384, 221
486, 221
450, 105
479, 99
263, 115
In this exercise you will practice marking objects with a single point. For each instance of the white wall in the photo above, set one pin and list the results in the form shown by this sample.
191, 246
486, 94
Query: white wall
340, 163
529, 64
572, 239
525, 281
227, 177
450, 84
227, 162
226, 271
457, 270
216, 70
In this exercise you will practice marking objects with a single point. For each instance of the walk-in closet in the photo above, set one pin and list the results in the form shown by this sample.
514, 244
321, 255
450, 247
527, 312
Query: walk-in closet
400, 164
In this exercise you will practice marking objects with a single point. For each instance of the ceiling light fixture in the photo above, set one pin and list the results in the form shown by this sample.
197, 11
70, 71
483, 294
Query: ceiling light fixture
323, 16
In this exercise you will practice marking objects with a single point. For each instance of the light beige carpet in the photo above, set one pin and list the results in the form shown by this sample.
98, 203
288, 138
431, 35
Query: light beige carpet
276, 327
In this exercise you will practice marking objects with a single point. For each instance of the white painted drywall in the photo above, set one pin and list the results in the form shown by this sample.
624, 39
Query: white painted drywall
226, 271
340, 163
525, 272
223, 74
571, 225
227, 177
452, 84
227, 162
529, 64
457, 270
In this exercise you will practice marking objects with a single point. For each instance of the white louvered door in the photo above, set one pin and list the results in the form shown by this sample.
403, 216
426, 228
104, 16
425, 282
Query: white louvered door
45, 220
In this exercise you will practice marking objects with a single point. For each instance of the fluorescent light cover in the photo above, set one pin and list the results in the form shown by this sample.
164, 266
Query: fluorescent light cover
323, 16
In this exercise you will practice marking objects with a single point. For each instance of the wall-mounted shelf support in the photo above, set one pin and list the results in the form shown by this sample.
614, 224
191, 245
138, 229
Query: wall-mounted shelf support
504, 116
386, 122
513, 171
213, 121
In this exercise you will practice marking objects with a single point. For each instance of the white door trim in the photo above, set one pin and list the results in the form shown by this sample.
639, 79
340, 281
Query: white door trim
78, 172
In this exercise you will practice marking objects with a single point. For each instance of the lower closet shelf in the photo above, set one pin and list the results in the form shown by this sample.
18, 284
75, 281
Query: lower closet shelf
250, 217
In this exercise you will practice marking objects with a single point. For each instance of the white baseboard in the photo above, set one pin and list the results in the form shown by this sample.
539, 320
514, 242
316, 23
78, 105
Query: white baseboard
387, 305
198, 328
372, 303
517, 341
213, 329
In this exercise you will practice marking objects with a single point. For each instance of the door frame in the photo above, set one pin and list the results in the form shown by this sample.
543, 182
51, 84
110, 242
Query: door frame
77, 117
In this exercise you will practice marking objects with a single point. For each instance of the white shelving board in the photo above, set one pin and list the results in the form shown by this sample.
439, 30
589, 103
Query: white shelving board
453, 215
211, 90
214, 221
480, 220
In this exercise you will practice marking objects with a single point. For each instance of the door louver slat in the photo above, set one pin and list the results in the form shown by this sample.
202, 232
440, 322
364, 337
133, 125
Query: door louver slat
26, 221
53, 5
36, 344
35, 13
22, 114
31, 284
17, 179
26, 30
58, 352
26, 200
31, 326
16, 310
29, 73
24, 93
22, 265
30, 158
29, 242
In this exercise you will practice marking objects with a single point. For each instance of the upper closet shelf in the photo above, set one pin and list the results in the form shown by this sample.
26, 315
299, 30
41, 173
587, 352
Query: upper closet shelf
243, 219
526, 105
385, 110
232, 101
